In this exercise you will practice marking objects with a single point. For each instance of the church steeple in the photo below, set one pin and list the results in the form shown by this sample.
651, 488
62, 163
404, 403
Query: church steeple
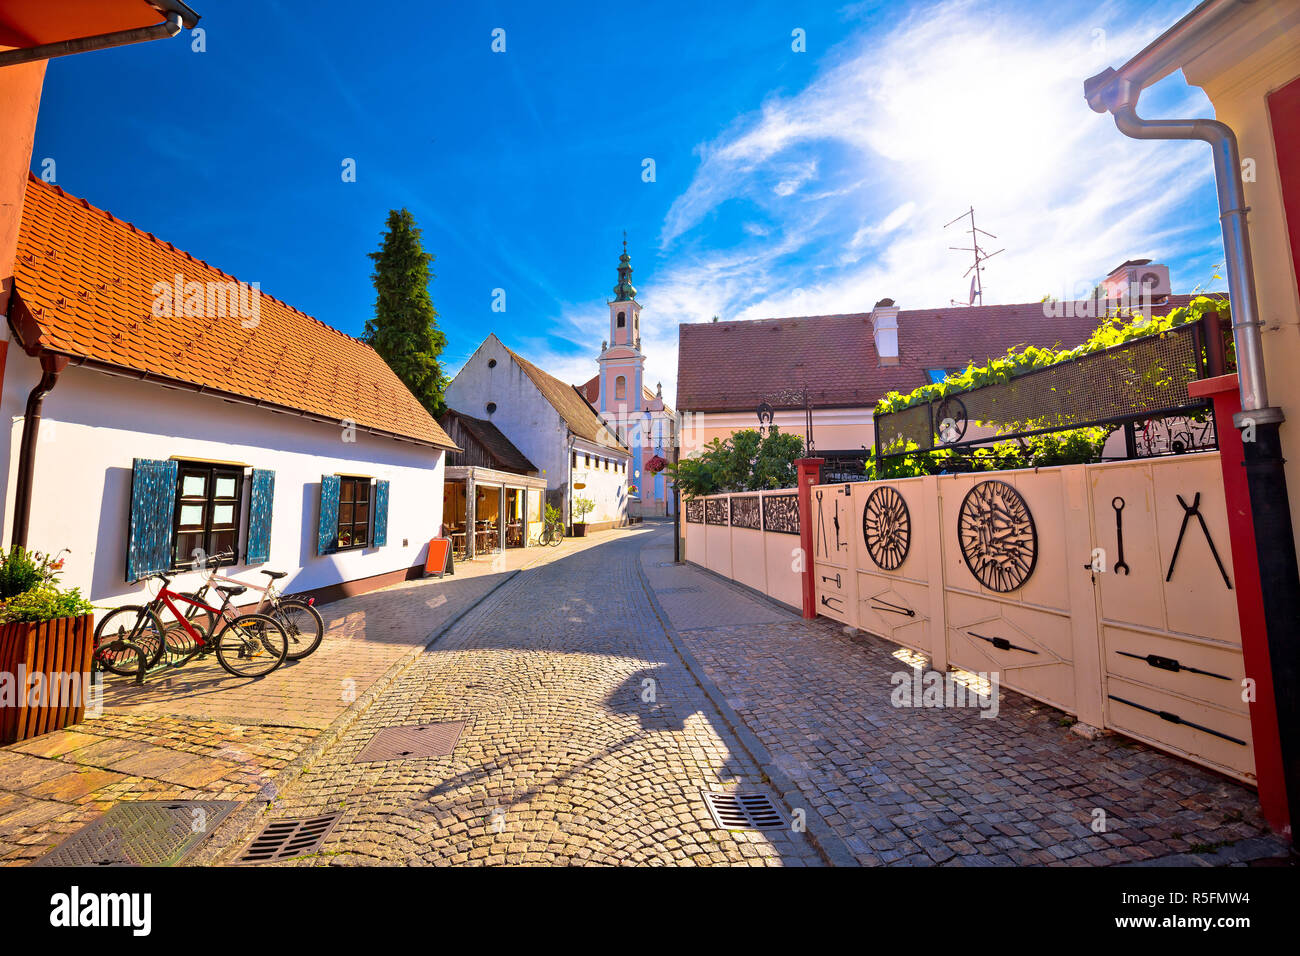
625, 291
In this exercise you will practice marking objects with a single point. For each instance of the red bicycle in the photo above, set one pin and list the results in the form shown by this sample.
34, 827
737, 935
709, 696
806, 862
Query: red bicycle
247, 645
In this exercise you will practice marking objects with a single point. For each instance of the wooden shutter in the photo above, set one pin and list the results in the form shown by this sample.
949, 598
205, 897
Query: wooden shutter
327, 531
259, 516
380, 536
153, 508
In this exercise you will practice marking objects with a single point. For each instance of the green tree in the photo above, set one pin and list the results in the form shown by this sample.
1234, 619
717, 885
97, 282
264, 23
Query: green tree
404, 330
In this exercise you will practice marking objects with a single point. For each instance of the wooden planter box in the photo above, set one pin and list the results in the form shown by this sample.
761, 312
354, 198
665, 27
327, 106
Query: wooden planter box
579, 529
60, 652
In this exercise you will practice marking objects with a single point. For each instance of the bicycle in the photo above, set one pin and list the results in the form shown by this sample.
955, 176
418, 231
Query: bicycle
552, 532
301, 621
247, 645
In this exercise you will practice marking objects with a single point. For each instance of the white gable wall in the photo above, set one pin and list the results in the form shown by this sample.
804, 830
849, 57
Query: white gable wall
93, 425
523, 415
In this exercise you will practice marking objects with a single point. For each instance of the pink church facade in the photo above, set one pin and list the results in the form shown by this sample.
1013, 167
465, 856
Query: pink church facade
639, 417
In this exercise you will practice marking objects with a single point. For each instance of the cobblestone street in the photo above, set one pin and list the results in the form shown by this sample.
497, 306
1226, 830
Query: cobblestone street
563, 760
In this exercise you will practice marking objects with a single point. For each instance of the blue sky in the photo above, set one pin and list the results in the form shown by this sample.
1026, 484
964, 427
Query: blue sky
786, 183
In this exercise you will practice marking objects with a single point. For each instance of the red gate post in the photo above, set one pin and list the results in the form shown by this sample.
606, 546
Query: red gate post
1250, 604
810, 470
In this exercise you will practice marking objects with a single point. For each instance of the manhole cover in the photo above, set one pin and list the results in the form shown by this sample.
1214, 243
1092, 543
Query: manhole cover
412, 742
141, 833
743, 811
287, 839
676, 590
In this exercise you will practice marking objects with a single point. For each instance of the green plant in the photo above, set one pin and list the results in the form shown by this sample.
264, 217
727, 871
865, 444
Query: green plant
581, 508
21, 570
44, 603
553, 515
744, 461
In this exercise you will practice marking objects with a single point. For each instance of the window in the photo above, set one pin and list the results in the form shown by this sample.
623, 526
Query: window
586, 460
206, 521
622, 320
575, 459
936, 375
492, 363
620, 388
354, 512
491, 407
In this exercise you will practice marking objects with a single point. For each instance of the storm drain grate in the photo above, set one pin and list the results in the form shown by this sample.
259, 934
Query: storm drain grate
141, 833
288, 839
684, 590
412, 742
743, 811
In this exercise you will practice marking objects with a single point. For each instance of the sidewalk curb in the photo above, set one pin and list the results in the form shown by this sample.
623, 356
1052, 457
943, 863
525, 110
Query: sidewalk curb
832, 849
235, 831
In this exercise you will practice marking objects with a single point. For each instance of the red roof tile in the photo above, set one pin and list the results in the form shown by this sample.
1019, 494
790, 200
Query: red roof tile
88, 281
734, 366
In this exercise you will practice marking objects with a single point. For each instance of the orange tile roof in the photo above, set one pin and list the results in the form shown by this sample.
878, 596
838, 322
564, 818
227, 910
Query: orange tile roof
87, 281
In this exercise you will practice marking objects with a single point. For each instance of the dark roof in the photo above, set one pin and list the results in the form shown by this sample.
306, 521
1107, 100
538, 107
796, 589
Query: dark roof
571, 404
734, 366
506, 455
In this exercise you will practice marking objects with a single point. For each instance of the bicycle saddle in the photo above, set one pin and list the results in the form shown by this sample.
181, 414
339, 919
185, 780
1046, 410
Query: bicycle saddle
229, 590
276, 575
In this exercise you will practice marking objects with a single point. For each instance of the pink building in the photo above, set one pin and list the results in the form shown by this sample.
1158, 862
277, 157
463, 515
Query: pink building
639, 417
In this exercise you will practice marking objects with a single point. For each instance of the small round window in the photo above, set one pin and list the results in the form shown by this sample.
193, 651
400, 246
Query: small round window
492, 363
491, 407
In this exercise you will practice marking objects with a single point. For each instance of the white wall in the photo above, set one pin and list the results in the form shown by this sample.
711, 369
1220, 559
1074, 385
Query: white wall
607, 488
93, 425
530, 422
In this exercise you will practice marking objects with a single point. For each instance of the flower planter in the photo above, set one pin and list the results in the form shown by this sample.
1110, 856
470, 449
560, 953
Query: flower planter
45, 672
579, 529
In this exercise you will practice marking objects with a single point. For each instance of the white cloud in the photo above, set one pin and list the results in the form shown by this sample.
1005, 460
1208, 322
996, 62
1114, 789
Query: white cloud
853, 178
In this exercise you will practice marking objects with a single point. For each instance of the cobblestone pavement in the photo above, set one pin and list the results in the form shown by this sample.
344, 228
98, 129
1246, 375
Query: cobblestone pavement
200, 733
932, 786
585, 740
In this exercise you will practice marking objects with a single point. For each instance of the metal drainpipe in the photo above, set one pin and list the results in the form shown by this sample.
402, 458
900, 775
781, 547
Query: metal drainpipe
51, 366
1118, 93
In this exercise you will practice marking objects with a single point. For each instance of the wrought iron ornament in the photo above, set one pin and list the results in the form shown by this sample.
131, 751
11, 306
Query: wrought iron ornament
745, 512
999, 542
715, 511
695, 511
1194, 511
950, 421
1118, 504
781, 513
887, 528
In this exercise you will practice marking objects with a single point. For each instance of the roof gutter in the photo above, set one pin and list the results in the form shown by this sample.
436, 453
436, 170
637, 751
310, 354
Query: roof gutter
1117, 92
178, 16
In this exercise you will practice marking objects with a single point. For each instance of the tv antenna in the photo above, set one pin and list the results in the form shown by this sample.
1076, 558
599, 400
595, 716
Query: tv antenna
977, 282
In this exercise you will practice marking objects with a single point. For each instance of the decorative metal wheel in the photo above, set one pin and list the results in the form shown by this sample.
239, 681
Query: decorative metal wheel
997, 536
886, 528
950, 419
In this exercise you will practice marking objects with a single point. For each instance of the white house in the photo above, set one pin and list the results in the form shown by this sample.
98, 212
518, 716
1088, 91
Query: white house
161, 410
553, 425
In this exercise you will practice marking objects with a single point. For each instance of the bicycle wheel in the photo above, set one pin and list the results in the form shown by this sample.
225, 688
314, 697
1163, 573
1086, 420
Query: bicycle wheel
200, 619
252, 645
557, 535
302, 626
118, 634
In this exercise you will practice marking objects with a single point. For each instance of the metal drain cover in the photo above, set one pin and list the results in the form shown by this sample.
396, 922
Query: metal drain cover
683, 590
744, 811
288, 839
141, 833
412, 742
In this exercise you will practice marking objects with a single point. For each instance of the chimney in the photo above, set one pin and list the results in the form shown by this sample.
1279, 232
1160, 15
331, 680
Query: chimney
1137, 284
884, 329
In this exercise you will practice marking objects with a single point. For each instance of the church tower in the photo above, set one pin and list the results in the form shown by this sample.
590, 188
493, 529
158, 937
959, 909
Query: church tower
621, 361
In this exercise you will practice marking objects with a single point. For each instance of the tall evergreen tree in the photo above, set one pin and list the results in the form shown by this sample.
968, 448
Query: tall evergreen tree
404, 330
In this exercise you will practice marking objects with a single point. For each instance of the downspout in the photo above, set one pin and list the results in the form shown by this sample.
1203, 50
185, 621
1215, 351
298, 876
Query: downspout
178, 16
51, 366
1117, 91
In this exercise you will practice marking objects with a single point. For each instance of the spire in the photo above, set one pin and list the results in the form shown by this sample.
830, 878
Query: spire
625, 290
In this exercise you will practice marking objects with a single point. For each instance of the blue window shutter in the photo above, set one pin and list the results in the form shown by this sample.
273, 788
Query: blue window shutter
380, 537
259, 517
153, 506
327, 532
